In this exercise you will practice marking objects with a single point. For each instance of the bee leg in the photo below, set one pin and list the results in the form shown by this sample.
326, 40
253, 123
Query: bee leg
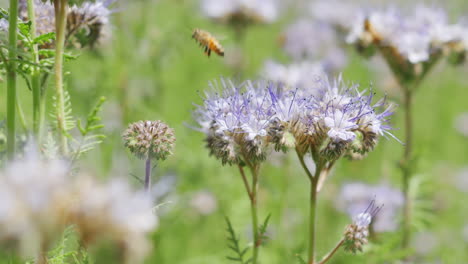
209, 52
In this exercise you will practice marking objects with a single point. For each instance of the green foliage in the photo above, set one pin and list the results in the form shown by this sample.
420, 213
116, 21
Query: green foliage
234, 245
262, 236
90, 132
420, 195
300, 260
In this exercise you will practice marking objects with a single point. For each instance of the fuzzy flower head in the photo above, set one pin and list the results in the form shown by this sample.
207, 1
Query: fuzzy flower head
356, 233
312, 40
410, 43
241, 12
149, 139
236, 120
341, 120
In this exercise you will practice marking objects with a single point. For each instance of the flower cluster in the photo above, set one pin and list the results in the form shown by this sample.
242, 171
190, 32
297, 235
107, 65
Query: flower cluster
39, 199
241, 11
337, 13
330, 119
356, 234
410, 43
355, 197
87, 24
149, 139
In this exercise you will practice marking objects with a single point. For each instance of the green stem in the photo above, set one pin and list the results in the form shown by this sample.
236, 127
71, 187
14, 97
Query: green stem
253, 207
35, 77
332, 252
405, 165
148, 174
60, 25
21, 118
11, 79
313, 203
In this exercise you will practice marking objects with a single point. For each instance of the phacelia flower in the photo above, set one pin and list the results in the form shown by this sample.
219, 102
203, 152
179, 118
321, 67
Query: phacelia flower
355, 197
410, 43
335, 12
236, 121
316, 41
149, 139
356, 234
241, 11
329, 118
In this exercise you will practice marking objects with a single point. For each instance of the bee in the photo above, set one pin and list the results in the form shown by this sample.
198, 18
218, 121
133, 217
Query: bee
206, 40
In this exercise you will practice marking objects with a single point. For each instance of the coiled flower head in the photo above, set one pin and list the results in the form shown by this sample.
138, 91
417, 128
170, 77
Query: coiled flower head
149, 139
356, 233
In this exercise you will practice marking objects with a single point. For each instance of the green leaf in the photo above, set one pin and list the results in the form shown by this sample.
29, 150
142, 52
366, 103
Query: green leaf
233, 244
44, 38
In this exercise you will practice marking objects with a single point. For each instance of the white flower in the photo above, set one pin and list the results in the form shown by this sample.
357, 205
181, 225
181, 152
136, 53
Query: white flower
340, 126
301, 75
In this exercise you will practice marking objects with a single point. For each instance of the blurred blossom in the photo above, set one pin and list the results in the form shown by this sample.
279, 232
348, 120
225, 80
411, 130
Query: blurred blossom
406, 39
425, 242
461, 124
241, 11
355, 197
40, 198
164, 186
357, 233
241, 122
87, 23
204, 202
461, 179
308, 39
302, 75
4, 25
337, 13
115, 212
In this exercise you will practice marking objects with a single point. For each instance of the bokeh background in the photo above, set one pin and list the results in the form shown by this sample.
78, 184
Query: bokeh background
151, 69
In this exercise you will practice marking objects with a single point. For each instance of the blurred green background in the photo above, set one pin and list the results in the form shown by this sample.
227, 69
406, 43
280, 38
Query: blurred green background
152, 69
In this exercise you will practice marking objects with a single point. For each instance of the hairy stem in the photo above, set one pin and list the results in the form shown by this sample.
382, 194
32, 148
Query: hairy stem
11, 79
21, 117
35, 77
332, 252
60, 25
148, 174
405, 166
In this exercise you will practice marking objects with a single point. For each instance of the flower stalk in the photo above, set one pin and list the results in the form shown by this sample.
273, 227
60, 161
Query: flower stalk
405, 166
60, 26
148, 173
11, 79
35, 76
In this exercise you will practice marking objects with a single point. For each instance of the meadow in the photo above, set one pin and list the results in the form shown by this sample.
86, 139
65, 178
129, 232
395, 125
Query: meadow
150, 68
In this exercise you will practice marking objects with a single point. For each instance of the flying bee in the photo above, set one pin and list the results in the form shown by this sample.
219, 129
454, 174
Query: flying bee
206, 40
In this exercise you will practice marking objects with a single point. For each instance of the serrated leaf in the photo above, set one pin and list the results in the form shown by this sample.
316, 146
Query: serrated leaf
44, 38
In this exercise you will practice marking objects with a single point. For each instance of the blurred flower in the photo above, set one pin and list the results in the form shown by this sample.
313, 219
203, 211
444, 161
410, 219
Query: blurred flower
356, 234
411, 43
87, 24
461, 124
34, 204
316, 41
335, 12
115, 212
204, 202
241, 11
302, 75
149, 139
4, 25
355, 197
40, 198
461, 179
